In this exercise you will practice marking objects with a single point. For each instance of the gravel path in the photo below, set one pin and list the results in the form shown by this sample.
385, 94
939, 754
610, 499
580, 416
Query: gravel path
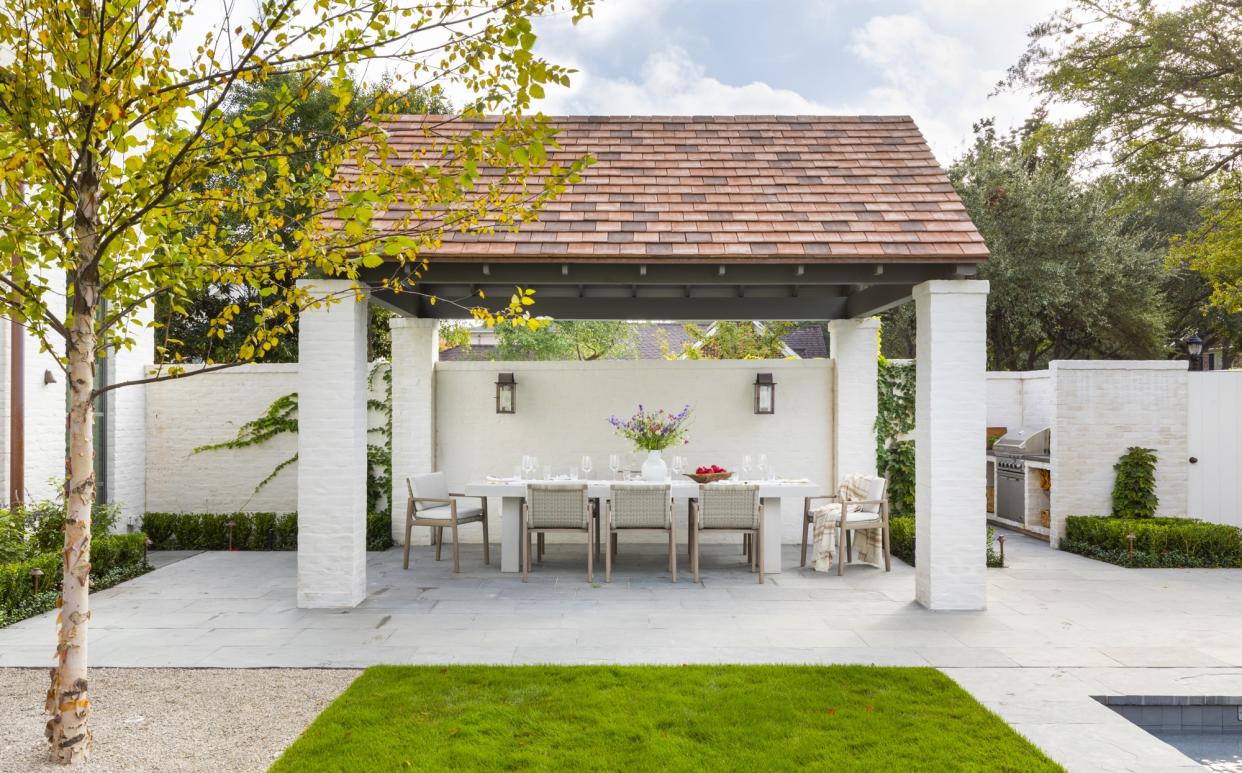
165, 719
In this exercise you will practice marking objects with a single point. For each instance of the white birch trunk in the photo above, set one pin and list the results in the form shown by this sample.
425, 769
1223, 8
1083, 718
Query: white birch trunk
68, 702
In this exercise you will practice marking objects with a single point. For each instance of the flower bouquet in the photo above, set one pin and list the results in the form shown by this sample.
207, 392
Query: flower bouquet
654, 431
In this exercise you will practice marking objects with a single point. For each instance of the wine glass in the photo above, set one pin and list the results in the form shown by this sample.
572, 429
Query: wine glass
586, 467
527, 466
679, 465
763, 467
614, 464
746, 467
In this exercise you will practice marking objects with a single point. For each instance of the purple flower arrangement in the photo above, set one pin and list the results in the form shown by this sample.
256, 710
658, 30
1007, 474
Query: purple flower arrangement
654, 430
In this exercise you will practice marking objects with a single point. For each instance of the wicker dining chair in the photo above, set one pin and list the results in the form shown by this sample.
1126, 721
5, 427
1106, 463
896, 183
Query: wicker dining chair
561, 507
431, 504
639, 507
725, 507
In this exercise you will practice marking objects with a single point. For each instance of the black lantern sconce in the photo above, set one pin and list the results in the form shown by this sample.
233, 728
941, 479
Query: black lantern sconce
506, 393
1194, 347
765, 393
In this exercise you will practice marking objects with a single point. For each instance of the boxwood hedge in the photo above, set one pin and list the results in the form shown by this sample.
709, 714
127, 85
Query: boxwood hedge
251, 531
1158, 542
114, 555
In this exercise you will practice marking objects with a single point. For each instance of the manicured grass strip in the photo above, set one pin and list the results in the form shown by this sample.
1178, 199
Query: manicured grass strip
638, 718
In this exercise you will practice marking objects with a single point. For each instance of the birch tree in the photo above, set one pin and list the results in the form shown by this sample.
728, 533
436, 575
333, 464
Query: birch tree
120, 160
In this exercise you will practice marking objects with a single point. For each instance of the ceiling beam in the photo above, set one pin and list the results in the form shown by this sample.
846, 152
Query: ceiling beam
526, 274
872, 300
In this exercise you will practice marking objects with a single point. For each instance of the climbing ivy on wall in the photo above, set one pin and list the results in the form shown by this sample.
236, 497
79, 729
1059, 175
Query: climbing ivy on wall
894, 421
281, 418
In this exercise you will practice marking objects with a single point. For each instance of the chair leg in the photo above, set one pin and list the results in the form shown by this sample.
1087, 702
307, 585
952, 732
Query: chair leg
759, 553
746, 545
842, 531
409, 527
849, 545
438, 531
694, 553
614, 543
608, 557
487, 543
672, 553
590, 551
887, 557
806, 526
456, 552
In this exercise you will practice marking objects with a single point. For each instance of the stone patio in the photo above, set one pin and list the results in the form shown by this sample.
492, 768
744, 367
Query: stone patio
1058, 629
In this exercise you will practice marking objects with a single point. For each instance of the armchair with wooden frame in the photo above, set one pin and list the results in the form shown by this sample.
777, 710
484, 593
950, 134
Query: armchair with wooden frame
431, 504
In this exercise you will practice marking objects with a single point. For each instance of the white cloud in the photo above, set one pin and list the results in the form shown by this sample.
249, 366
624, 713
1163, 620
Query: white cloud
671, 83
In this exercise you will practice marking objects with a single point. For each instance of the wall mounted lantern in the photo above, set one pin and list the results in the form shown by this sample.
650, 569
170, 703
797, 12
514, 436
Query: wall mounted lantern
506, 393
1194, 347
765, 393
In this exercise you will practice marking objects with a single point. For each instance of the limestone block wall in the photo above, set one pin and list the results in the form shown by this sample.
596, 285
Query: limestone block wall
1019, 399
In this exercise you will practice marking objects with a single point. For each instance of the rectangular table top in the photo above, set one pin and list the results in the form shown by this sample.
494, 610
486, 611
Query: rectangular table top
680, 489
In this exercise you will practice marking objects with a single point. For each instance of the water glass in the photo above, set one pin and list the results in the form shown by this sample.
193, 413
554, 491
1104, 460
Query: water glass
586, 467
614, 464
746, 466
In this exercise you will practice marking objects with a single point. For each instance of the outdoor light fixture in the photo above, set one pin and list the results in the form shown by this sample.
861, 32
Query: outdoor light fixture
36, 575
231, 524
765, 393
506, 393
1194, 347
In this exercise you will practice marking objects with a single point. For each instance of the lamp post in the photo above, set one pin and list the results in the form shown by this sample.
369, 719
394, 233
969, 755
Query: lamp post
1194, 348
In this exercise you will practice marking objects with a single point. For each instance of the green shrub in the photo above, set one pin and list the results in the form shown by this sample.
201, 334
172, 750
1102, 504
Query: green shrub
251, 531
901, 540
1134, 492
379, 531
109, 553
1158, 542
45, 600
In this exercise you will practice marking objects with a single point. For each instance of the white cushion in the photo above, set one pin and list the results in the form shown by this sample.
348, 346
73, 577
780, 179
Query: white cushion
865, 487
431, 485
464, 511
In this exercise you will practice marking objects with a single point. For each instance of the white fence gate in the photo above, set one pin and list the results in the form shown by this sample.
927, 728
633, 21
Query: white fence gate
1215, 441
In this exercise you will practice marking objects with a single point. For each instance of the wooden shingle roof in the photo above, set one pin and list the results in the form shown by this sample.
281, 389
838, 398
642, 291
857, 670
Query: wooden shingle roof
793, 189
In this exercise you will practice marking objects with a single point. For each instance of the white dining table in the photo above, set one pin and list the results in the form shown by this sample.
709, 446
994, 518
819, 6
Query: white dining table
512, 492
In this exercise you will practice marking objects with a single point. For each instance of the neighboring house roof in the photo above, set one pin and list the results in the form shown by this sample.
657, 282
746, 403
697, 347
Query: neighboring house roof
654, 339
791, 189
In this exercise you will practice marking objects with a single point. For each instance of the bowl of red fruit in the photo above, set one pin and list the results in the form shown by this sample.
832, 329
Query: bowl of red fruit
709, 473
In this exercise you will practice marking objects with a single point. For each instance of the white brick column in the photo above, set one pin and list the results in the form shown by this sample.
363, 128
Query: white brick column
332, 448
950, 422
415, 350
855, 344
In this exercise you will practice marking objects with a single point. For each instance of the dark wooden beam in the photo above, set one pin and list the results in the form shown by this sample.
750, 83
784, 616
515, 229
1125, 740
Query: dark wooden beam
875, 299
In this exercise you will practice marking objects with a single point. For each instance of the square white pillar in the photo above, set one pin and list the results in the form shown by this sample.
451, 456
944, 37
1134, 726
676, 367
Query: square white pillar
415, 350
950, 427
855, 345
332, 448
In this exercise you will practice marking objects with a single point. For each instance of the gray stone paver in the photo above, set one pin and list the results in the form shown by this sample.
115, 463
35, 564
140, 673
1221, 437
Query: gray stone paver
1059, 628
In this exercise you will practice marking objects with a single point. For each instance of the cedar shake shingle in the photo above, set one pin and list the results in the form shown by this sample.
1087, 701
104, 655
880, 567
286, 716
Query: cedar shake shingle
709, 188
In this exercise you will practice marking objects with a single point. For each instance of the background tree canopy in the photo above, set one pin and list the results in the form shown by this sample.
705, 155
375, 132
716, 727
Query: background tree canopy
1069, 279
187, 333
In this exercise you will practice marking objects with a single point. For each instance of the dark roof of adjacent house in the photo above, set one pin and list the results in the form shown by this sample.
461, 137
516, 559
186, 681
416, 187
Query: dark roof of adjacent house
782, 189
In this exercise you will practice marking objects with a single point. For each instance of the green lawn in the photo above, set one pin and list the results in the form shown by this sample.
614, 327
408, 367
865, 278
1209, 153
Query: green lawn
637, 718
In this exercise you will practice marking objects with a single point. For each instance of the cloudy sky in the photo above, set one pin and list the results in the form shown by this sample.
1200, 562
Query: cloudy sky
937, 60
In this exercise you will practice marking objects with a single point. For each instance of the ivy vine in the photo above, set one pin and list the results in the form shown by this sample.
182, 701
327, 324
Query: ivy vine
281, 418
1134, 492
894, 421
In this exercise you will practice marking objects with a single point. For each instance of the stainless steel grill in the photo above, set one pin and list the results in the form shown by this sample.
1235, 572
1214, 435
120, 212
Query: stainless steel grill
1012, 451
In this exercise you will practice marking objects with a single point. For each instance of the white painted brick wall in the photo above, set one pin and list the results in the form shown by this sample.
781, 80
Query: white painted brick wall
563, 409
126, 412
855, 345
415, 349
950, 407
1019, 399
1103, 408
332, 437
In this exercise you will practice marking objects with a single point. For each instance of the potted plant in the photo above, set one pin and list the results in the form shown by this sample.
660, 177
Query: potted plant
654, 431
